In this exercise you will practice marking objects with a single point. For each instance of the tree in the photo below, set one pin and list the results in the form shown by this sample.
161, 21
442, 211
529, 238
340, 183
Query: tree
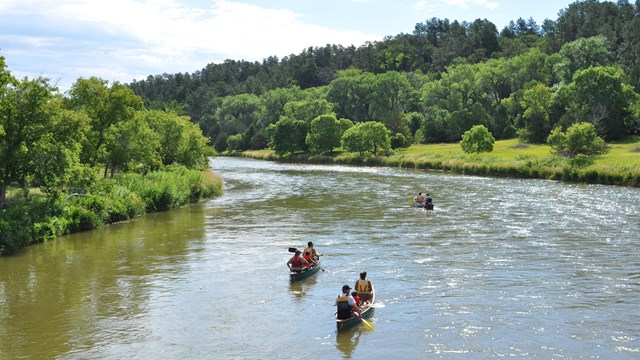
324, 134
105, 106
234, 142
274, 102
598, 95
38, 141
350, 93
580, 138
536, 102
476, 140
307, 110
366, 137
132, 146
180, 140
237, 113
391, 92
289, 135
581, 54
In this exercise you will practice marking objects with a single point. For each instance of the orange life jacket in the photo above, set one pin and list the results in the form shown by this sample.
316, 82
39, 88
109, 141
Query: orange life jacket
362, 286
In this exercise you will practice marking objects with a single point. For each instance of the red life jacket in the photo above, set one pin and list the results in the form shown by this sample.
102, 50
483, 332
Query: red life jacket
296, 262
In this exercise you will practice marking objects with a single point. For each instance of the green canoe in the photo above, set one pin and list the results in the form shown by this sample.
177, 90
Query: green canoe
299, 275
367, 312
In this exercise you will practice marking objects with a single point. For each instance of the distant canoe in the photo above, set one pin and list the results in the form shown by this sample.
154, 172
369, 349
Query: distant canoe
367, 312
428, 206
299, 275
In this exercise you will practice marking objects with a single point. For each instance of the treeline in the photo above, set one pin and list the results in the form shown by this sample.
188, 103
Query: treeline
431, 85
59, 155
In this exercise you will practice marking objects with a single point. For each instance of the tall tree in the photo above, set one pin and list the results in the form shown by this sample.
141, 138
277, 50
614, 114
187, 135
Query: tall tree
598, 95
105, 106
536, 103
324, 134
581, 54
39, 140
391, 93
367, 137
289, 135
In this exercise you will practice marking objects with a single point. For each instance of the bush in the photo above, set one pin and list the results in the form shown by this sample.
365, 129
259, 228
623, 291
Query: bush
398, 141
477, 139
40, 219
580, 138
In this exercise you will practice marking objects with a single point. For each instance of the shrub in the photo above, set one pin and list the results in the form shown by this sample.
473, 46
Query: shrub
477, 139
580, 138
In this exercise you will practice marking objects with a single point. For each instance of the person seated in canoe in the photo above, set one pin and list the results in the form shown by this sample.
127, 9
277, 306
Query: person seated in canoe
347, 305
428, 199
364, 288
419, 198
311, 251
356, 297
297, 263
307, 257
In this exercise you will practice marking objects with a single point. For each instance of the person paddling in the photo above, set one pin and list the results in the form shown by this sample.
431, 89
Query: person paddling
297, 262
347, 304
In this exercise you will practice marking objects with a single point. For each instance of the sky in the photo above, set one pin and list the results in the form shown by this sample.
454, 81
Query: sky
127, 40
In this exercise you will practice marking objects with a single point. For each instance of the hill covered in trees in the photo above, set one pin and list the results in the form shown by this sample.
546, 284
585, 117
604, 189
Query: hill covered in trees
428, 86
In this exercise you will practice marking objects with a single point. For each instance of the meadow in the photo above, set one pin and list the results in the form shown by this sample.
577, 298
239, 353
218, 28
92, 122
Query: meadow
619, 166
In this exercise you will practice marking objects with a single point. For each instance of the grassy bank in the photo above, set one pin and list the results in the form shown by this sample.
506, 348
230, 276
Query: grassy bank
39, 218
620, 166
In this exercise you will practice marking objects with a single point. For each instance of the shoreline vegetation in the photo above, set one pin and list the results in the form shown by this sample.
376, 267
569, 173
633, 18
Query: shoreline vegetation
510, 158
38, 218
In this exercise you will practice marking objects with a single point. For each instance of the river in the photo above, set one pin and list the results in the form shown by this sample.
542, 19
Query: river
501, 268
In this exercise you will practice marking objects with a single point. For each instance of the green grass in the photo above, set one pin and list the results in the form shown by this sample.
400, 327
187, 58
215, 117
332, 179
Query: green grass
619, 166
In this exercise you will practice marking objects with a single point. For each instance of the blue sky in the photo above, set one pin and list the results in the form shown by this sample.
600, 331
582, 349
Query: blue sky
123, 40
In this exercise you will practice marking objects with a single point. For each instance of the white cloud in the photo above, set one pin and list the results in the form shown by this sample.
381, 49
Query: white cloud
420, 5
126, 39
466, 4
460, 4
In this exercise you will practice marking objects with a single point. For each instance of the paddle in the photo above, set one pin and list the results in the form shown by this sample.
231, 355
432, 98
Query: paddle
367, 324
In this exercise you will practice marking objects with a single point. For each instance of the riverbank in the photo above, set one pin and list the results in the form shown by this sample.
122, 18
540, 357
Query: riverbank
619, 166
40, 218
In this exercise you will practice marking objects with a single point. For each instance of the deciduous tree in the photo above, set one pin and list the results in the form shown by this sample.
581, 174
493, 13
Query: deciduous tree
477, 139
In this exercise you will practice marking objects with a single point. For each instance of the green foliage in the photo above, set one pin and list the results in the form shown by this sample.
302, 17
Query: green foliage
477, 139
582, 54
105, 107
580, 138
32, 220
308, 109
289, 136
391, 94
324, 134
367, 137
536, 103
234, 142
39, 141
180, 140
398, 141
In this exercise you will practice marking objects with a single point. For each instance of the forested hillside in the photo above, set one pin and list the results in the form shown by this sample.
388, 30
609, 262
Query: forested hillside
428, 86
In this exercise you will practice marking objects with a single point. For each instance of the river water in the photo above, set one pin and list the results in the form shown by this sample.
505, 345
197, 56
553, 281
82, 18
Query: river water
501, 268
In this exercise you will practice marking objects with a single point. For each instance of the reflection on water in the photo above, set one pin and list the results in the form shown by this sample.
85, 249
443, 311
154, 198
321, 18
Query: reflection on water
299, 288
347, 340
492, 272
